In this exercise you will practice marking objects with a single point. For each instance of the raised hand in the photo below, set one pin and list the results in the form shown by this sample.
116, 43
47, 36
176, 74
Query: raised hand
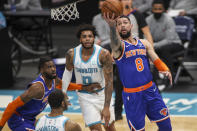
110, 20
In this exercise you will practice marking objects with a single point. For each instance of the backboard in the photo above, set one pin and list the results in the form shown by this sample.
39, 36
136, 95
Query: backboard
58, 3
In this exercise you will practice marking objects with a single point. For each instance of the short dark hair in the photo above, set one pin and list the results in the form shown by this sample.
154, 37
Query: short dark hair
86, 27
158, 2
124, 16
55, 98
43, 60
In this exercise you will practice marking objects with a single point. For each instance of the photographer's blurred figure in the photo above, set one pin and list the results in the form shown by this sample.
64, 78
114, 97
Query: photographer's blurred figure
23, 5
165, 37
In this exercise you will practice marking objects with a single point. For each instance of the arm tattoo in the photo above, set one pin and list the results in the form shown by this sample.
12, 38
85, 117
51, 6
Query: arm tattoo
69, 59
115, 42
107, 65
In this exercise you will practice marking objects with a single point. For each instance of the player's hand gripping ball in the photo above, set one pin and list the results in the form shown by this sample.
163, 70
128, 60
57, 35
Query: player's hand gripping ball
112, 6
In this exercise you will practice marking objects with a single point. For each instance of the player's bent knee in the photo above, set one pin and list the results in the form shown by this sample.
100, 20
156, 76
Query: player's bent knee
165, 125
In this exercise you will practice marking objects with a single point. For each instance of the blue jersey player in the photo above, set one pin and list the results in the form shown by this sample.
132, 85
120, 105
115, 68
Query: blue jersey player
140, 95
21, 113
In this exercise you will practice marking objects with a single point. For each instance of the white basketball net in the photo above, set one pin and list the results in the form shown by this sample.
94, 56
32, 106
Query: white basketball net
65, 13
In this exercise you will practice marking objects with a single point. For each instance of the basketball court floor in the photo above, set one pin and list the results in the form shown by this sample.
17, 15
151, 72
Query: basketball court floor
182, 108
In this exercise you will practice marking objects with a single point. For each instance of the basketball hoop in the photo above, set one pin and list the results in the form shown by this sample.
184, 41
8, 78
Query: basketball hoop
67, 12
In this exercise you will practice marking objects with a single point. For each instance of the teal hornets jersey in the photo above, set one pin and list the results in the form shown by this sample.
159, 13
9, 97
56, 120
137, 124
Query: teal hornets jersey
47, 123
133, 65
87, 72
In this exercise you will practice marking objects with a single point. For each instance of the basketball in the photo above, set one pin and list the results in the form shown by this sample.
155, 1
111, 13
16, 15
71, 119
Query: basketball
112, 6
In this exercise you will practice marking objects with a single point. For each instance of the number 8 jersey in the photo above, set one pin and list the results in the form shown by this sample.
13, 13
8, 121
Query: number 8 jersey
133, 65
89, 71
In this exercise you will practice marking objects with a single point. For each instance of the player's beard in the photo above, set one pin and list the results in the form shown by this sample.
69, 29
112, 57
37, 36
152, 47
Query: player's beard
125, 36
87, 47
48, 76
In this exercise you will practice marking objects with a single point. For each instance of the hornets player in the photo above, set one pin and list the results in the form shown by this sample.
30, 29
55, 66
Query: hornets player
55, 121
91, 64
140, 94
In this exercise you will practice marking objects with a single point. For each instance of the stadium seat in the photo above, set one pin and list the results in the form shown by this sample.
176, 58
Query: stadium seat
185, 29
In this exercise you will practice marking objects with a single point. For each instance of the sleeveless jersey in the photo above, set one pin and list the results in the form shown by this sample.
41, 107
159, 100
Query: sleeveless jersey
47, 123
133, 66
35, 106
89, 71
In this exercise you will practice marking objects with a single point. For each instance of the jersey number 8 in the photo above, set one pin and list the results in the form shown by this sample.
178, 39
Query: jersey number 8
139, 64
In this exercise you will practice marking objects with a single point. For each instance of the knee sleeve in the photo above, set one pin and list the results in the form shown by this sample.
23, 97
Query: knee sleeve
165, 125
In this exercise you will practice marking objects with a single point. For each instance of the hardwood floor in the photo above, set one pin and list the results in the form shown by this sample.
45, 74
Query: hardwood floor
179, 123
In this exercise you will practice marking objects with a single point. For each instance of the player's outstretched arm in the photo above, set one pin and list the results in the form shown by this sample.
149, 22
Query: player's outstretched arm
73, 86
72, 126
67, 75
159, 64
35, 91
106, 61
116, 44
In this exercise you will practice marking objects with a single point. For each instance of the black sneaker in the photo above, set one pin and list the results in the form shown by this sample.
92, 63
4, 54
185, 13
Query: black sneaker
118, 118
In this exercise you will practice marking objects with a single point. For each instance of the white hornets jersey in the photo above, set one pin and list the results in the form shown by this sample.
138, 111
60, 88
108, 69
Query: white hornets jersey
89, 71
47, 123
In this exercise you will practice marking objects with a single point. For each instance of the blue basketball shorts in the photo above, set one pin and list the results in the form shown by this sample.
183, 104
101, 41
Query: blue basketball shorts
18, 123
147, 102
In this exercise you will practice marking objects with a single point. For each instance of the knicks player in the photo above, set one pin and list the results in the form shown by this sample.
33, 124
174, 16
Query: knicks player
21, 112
91, 64
140, 95
55, 121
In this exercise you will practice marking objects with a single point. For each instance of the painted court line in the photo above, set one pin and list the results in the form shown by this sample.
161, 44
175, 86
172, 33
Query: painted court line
179, 104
